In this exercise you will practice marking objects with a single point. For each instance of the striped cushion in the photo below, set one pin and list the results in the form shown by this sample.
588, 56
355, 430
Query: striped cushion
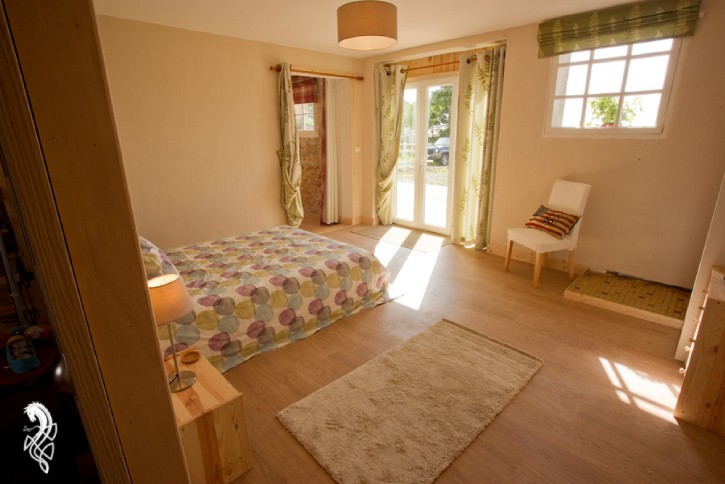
553, 222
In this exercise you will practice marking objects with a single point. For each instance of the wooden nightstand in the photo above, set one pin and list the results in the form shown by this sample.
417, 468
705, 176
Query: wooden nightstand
212, 424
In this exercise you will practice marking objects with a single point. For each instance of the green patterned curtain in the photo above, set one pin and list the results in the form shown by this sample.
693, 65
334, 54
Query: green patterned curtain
623, 24
289, 154
389, 90
479, 108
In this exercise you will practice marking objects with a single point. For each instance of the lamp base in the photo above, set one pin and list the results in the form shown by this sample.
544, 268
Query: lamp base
182, 381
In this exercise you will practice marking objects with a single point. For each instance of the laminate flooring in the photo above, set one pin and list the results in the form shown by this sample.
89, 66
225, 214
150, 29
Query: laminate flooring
600, 409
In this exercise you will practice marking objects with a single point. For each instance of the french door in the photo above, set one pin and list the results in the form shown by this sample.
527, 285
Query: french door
424, 172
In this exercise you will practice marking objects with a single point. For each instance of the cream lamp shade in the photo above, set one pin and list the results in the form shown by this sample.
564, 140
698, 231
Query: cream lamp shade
169, 298
170, 301
367, 25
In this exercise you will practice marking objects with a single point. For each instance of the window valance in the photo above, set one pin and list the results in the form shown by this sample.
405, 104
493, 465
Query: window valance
623, 24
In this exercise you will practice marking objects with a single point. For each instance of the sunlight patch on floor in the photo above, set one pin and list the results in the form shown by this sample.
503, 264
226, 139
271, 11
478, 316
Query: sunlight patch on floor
639, 389
411, 281
385, 252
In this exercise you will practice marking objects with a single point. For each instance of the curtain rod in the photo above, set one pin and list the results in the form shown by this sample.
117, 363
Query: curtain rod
430, 66
326, 74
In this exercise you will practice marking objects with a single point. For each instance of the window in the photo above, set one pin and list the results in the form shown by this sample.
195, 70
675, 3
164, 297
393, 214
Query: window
305, 117
612, 90
423, 186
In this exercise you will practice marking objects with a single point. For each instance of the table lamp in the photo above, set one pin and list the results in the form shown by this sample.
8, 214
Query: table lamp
170, 301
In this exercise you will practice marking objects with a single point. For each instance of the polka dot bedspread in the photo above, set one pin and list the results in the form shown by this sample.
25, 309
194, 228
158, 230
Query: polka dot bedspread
256, 292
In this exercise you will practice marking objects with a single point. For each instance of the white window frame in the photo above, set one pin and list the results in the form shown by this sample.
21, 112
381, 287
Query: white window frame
309, 133
422, 84
615, 131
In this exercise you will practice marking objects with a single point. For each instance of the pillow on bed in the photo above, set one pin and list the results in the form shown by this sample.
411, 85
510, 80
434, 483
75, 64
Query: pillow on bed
155, 260
553, 222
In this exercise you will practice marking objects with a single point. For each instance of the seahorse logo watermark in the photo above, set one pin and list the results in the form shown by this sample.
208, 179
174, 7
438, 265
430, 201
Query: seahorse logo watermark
39, 445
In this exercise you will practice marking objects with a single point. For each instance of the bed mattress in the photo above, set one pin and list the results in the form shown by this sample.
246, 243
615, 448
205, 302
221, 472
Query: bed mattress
256, 292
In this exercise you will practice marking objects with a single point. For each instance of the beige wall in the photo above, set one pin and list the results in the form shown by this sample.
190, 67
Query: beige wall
198, 126
652, 199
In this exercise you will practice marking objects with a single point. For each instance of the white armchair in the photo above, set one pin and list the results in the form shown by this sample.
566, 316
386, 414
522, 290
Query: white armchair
566, 196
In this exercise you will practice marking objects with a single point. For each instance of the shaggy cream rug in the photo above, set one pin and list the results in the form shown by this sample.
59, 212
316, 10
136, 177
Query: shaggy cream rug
404, 416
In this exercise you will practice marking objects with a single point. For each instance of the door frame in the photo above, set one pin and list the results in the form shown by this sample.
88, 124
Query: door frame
63, 162
421, 126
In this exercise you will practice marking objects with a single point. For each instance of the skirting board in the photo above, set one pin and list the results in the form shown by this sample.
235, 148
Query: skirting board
369, 220
628, 310
350, 220
525, 255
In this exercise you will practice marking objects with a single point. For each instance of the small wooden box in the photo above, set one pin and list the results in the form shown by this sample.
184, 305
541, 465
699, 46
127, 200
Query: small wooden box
212, 425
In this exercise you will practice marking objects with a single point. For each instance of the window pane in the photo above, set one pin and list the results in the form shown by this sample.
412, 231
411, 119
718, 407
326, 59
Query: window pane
641, 111
567, 113
299, 122
439, 112
664, 45
606, 77
405, 167
308, 108
407, 137
571, 80
609, 52
616, 87
582, 55
601, 112
298, 109
647, 74
309, 122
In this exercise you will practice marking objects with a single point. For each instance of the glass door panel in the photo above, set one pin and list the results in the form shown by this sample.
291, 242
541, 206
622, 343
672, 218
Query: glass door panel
423, 181
406, 166
438, 127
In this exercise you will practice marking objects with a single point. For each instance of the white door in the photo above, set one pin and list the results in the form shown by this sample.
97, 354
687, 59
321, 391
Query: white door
424, 172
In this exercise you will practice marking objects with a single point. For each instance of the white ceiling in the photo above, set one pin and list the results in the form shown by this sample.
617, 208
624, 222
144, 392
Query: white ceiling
311, 24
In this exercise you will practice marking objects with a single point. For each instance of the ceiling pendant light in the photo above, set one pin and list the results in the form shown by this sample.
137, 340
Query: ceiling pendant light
367, 25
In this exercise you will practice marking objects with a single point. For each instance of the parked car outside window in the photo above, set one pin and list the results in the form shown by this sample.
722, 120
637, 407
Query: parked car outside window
438, 151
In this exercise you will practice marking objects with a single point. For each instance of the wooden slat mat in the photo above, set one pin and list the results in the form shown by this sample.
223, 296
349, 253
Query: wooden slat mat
643, 299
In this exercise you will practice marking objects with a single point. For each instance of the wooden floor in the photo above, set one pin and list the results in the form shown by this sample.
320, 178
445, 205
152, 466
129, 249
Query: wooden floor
320, 228
598, 411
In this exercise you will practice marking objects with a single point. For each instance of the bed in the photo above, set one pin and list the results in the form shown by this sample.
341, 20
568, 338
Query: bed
259, 291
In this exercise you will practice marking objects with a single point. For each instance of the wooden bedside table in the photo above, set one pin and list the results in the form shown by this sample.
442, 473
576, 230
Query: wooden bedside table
212, 425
